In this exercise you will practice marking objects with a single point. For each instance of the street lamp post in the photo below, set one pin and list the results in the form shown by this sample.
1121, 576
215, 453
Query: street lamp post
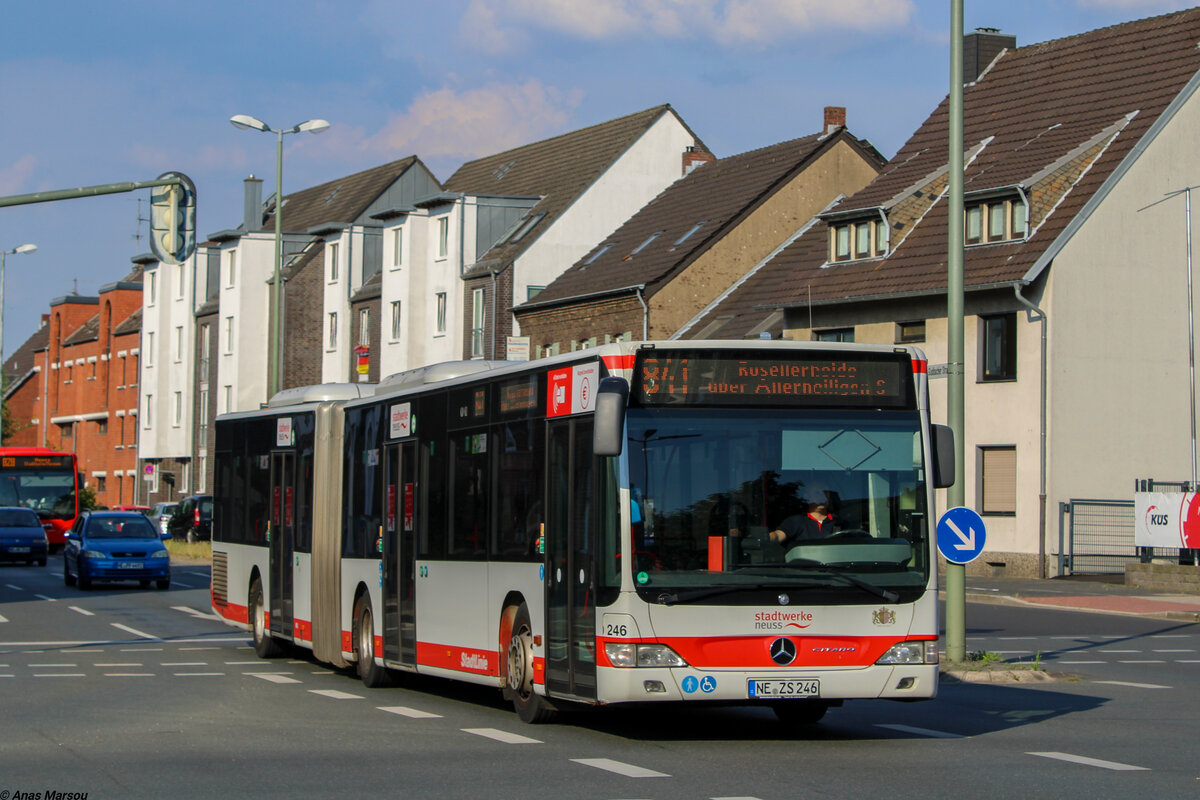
275, 368
25, 248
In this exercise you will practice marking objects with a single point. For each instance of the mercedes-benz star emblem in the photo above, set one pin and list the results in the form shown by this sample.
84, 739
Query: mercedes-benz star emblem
783, 651
784, 599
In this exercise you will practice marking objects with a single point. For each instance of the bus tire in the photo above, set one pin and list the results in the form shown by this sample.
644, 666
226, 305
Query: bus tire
265, 645
530, 706
800, 712
372, 675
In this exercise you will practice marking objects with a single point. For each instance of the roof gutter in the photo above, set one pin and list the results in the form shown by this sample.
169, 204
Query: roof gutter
645, 312
536, 306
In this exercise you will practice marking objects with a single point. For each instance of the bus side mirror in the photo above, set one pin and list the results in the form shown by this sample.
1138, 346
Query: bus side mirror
608, 434
943, 456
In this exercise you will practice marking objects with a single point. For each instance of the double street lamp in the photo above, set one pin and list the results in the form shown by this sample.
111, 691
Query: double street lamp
25, 248
275, 370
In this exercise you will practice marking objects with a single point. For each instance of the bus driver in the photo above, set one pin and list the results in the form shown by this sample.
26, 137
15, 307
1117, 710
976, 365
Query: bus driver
818, 523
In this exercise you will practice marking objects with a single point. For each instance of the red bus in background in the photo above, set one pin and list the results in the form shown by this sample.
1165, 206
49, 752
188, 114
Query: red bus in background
45, 481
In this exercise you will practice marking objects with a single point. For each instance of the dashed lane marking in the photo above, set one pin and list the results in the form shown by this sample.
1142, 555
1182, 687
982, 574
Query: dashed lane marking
83, 611
15, 587
129, 674
46, 598
3, 618
620, 767
336, 694
501, 736
197, 574
59, 675
920, 731
411, 713
135, 631
1090, 762
53, 665
197, 674
179, 585
194, 612
184, 664
1135, 685
118, 664
273, 677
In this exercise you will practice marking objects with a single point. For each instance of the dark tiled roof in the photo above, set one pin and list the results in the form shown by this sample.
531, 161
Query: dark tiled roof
370, 290
22, 361
87, 332
1056, 118
718, 194
341, 200
131, 324
557, 170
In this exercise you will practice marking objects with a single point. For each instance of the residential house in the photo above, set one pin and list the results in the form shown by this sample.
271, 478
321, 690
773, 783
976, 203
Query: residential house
24, 388
1075, 281
692, 242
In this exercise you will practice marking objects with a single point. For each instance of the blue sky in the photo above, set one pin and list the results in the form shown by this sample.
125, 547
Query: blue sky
97, 93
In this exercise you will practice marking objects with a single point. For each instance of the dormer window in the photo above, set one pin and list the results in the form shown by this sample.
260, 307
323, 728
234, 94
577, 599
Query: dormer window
864, 238
999, 219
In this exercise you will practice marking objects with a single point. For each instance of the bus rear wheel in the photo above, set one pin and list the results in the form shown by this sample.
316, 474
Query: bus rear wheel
264, 644
530, 706
372, 675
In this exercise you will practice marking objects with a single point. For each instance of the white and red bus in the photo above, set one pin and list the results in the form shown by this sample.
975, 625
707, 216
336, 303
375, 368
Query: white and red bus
597, 527
44, 480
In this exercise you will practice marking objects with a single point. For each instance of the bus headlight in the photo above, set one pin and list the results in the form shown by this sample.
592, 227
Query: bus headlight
628, 654
910, 653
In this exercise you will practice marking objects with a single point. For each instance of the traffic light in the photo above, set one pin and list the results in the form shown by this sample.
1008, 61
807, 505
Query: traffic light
173, 219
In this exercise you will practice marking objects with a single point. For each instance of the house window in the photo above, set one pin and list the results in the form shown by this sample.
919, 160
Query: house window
853, 240
333, 262
477, 323
228, 392
607, 246
998, 220
100, 483
909, 332
178, 409
441, 312
150, 348
532, 292
397, 247
151, 287
101, 426
395, 320
179, 282
148, 414
178, 343
364, 326
998, 347
228, 335
231, 269
997, 487
332, 339
689, 233
646, 243
834, 335
443, 248
205, 342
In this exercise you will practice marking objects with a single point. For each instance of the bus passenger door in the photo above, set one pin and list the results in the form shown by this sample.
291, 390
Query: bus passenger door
399, 555
283, 542
570, 553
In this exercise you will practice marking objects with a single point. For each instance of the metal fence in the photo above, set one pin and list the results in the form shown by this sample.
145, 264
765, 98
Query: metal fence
1097, 536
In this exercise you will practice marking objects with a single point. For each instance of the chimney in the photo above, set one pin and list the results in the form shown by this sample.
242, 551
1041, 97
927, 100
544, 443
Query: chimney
694, 157
252, 214
980, 49
835, 117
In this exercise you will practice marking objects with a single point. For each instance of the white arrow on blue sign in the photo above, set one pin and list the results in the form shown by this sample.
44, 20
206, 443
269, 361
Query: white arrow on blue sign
960, 535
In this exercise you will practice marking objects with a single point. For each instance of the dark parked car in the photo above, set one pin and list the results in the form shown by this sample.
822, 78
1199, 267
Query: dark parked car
22, 537
192, 519
115, 546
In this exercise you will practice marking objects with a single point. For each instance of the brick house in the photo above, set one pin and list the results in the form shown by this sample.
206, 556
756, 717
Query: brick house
24, 387
700, 235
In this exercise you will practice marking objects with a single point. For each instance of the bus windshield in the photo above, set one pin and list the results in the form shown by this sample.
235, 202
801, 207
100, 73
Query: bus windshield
50, 493
735, 503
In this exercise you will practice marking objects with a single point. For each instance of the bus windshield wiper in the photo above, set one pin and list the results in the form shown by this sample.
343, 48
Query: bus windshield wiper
870, 588
671, 598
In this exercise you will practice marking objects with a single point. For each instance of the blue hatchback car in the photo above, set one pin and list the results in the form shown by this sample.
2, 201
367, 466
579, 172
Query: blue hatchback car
22, 537
115, 546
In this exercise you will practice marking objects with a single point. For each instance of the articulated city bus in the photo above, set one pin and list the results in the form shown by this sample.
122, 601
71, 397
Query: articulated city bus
44, 480
735, 522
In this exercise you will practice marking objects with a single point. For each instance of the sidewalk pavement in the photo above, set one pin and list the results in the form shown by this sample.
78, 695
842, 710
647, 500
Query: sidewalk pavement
1105, 594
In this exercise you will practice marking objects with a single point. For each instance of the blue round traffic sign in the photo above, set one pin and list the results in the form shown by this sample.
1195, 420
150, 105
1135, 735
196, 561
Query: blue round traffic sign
960, 535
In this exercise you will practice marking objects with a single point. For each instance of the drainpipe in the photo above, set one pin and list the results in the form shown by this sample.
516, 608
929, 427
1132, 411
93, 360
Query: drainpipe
645, 312
1038, 315
494, 321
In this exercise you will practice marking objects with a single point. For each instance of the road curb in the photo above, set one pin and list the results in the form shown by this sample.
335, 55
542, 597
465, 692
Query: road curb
1013, 600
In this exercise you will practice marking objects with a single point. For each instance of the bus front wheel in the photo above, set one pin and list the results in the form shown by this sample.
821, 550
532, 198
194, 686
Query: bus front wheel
530, 706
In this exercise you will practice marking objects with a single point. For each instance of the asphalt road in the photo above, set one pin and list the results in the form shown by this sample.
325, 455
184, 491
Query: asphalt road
124, 692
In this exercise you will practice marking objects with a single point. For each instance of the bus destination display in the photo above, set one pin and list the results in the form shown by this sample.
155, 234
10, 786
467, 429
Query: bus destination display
737, 379
36, 462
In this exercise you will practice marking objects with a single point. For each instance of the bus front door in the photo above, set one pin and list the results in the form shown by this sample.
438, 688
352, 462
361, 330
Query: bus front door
283, 542
399, 555
570, 549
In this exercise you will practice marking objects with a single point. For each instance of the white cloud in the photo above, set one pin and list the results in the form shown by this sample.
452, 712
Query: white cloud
475, 122
16, 175
726, 22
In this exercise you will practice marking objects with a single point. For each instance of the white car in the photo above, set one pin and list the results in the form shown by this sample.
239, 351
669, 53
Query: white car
160, 514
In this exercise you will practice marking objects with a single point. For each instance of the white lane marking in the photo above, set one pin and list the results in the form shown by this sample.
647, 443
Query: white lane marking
1135, 685
1187, 661
1140, 661
3, 618
1080, 662
59, 675
83, 611
241, 663
1089, 762
920, 731
13, 586
134, 631
44, 597
411, 713
84, 650
53, 665
141, 649
272, 677
197, 574
118, 664
620, 767
1119, 651
197, 674
739, 797
129, 674
194, 612
198, 648
1174, 651
179, 585
184, 664
336, 694
501, 736
1016, 638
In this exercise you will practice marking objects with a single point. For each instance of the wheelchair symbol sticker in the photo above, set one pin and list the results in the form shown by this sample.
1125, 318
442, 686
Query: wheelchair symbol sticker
708, 685
690, 684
